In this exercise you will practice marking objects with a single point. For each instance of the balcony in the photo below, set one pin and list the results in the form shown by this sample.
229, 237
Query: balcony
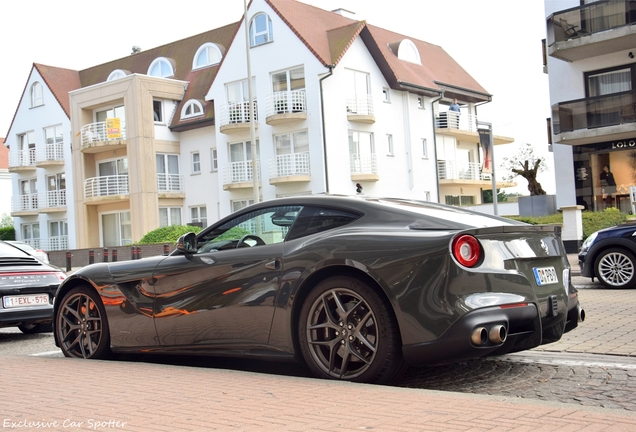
582, 32
96, 137
364, 167
465, 174
22, 160
53, 201
238, 175
25, 205
56, 243
464, 127
289, 168
584, 121
106, 188
285, 106
236, 117
360, 109
170, 184
50, 155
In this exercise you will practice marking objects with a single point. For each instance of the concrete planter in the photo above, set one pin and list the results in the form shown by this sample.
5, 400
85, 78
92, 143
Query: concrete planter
537, 205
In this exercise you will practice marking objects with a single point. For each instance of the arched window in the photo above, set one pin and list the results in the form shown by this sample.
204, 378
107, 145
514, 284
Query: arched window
261, 30
192, 108
408, 51
116, 74
161, 67
208, 54
36, 95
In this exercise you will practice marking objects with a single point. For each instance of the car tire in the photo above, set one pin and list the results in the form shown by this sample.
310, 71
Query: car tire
36, 328
348, 332
81, 326
616, 268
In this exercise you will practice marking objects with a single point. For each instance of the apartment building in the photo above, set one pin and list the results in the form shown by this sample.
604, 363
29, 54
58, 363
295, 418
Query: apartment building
590, 49
164, 136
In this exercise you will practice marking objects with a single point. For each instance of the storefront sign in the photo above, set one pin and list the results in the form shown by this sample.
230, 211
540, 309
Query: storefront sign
608, 146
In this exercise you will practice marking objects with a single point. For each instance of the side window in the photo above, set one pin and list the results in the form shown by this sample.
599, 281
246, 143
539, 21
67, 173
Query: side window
313, 220
256, 228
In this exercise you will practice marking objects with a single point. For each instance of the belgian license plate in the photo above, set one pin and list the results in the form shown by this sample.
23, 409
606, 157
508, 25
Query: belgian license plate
25, 300
545, 275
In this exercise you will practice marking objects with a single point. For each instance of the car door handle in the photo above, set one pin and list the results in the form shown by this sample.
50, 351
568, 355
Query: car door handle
273, 265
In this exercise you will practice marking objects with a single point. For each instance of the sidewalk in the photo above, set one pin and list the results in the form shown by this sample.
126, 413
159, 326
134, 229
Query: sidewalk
70, 394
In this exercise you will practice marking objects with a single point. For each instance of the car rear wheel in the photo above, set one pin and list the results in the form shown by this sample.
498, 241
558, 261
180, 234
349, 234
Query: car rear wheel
616, 268
36, 328
81, 325
347, 332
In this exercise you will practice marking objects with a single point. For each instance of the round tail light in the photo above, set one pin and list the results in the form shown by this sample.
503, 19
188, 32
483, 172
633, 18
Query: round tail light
466, 250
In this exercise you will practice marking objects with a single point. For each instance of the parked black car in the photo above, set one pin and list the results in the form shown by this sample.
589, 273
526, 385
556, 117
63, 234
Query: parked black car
609, 255
27, 288
357, 288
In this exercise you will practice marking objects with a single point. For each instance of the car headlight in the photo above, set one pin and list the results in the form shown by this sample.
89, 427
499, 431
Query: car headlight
588, 242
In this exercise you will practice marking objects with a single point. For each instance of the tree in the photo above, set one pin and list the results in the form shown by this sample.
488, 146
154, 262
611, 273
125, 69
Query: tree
526, 165
486, 196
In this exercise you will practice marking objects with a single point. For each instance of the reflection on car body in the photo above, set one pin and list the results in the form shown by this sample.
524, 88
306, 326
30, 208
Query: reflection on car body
357, 288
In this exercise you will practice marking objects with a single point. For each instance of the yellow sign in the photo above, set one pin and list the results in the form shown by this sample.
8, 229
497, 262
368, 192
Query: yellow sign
113, 128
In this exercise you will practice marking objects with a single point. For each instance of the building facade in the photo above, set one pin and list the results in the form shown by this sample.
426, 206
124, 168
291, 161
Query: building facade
168, 135
590, 49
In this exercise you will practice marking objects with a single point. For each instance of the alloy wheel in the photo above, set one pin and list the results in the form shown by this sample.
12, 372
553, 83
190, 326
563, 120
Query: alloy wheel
80, 326
616, 269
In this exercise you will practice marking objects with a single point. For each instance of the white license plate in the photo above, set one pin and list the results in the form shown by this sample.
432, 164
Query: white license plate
545, 275
25, 300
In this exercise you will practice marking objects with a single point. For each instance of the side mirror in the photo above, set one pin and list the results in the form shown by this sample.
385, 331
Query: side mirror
187, 243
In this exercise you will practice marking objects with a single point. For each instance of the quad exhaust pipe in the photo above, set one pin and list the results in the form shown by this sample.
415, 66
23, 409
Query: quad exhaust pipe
481, 335
581, 313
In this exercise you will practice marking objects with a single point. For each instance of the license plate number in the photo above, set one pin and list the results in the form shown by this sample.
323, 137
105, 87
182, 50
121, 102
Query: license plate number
545, 275
25, 300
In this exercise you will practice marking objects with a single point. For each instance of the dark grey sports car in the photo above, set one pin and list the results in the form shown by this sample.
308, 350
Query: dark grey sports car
357, 288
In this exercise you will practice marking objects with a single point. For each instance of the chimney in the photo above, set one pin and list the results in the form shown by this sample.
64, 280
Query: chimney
345, 13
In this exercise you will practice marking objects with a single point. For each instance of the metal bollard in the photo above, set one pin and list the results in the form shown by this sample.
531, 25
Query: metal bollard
138, 252
166, 249
105, 255
91, 256
133, 253
68, 261
114, 258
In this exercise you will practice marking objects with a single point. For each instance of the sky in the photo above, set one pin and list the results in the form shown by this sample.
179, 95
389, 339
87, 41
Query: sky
498, 42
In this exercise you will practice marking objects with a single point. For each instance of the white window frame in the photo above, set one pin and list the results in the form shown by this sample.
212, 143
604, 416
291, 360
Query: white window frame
160, 117
386, 92
191, 105
169, 215
116, 74
268, 32
420, 102
206, 48
407, 51
240, 204
197, 217
214, 160
424, 142
37, 94
162, 61
195, 162
121, 240
389, 142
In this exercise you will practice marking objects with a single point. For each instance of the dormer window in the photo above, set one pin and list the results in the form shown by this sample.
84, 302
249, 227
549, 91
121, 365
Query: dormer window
37, 97
408, 51
261, 30
161, 67
192, 108
208, 54
116, 74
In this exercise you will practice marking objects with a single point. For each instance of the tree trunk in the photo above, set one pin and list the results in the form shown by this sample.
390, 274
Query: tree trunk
530, 174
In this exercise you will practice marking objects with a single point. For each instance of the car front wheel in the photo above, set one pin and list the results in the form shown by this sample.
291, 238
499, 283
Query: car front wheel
616, 268
347, 332
35, 328
81, 325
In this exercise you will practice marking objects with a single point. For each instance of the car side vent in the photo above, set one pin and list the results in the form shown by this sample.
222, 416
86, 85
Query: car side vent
554, 305
19, 261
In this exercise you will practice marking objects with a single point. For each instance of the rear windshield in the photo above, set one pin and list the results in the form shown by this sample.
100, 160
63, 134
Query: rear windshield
6, 250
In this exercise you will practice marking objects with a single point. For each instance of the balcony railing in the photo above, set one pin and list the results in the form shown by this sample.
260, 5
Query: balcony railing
97, 132
170, 182
456, 170
35, 243
363, 163
285, 102
238, 172
21, 158
594, 112
52, 199
360, 106
236, 113
50, 152
26, 202
455, 120
56, 243
589, 19
289, 165
105, 186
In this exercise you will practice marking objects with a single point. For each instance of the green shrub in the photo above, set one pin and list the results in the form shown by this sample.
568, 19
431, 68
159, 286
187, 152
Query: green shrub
169, 234
7, 233
592, 221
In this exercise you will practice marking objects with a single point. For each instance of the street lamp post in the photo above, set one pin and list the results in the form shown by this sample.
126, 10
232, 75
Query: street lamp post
250, 93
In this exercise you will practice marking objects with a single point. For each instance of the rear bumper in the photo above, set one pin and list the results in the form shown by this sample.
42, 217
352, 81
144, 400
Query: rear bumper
522, 324
14, 317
